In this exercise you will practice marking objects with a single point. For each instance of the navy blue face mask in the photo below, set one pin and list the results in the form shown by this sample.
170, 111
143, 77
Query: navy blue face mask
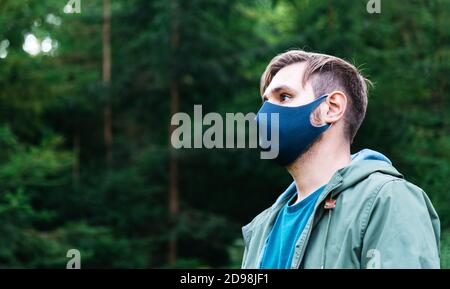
295, 131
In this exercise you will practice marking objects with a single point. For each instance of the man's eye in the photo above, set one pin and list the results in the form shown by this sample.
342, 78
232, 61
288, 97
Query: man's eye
284, 97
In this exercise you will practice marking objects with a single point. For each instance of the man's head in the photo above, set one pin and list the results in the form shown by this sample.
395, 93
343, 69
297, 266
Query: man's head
297, 77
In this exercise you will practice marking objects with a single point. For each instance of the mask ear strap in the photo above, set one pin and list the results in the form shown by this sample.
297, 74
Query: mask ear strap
326, 124
322, 98
319, 101
325, 96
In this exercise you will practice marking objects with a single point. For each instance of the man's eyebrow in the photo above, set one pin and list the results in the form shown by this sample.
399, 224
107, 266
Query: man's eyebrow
281, 88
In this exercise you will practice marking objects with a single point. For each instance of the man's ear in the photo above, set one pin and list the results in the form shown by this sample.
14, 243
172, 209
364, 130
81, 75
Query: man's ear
336, 103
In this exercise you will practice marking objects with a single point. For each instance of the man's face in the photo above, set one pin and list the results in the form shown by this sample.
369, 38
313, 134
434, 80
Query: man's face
286, 87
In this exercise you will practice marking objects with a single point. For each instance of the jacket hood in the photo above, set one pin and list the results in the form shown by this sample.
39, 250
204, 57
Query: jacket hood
363, 164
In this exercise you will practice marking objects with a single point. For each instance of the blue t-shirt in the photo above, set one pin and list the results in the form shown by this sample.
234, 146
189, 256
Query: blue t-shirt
290, 222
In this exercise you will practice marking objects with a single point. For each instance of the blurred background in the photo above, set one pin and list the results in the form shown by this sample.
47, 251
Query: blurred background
87, 90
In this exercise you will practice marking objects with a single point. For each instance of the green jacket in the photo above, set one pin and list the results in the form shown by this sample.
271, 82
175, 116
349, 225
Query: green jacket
379, 221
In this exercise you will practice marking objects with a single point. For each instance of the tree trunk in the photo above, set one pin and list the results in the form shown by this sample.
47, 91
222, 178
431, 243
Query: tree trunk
106, 79
330, 14
173, 165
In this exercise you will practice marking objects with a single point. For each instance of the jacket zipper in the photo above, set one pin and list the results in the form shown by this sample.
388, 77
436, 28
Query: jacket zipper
302, 253
322, 265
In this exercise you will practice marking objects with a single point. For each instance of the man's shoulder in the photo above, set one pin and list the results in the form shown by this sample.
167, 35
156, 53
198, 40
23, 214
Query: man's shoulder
380, 191
379, 184
388, 186
387, 195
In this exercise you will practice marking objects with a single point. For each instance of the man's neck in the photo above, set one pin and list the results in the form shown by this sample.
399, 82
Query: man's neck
315, 167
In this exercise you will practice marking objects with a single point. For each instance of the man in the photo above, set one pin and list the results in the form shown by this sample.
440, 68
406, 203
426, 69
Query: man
342, 210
